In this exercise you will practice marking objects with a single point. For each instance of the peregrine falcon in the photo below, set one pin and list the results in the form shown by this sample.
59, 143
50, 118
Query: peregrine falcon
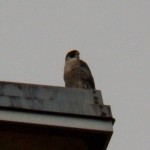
76, 72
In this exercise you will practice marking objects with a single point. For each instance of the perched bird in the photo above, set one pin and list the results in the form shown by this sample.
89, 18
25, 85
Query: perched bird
76, 72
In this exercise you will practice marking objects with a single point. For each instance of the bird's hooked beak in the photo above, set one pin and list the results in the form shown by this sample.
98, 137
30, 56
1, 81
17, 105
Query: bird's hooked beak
77, 55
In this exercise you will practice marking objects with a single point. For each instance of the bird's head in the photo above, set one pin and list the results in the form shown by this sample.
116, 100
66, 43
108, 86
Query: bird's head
72, 54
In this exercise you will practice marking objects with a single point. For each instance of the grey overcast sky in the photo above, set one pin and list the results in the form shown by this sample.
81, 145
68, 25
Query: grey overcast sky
113, 37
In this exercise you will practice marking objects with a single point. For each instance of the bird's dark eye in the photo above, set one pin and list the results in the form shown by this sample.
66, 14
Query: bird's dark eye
72, 55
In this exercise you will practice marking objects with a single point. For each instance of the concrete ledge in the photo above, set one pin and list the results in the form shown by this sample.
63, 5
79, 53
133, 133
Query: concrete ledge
43, 117
53, 99
56, 121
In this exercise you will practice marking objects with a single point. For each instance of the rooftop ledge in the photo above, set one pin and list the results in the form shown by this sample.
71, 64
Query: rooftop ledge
39, 109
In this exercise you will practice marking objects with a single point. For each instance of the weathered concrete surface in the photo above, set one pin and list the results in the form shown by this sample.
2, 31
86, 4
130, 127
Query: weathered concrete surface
53, 99
39, 117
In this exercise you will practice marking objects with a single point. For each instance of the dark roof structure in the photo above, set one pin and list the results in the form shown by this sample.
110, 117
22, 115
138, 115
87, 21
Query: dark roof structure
41, 117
